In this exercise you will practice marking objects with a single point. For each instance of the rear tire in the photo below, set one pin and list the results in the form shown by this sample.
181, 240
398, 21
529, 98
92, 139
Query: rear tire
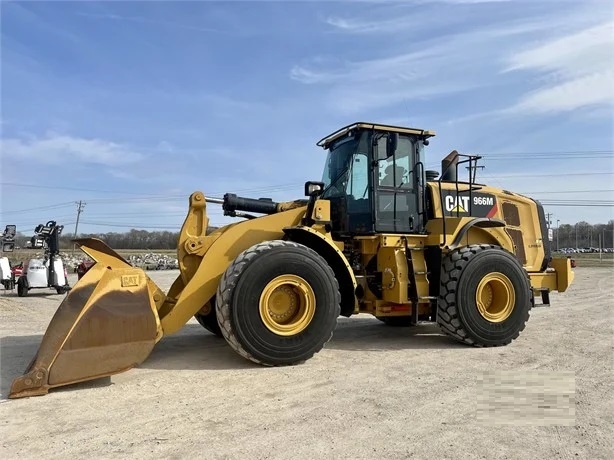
278, 303
209, 321
493, 276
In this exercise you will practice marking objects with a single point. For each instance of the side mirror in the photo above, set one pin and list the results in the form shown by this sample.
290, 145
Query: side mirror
313, 188
391, 144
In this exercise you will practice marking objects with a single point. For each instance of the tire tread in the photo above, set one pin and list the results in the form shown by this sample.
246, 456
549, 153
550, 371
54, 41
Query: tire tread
448, 318
230, 279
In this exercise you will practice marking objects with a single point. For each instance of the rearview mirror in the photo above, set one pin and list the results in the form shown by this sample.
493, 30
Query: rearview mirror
313, 188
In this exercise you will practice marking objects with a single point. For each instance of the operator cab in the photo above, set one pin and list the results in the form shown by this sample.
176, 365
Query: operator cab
374, 178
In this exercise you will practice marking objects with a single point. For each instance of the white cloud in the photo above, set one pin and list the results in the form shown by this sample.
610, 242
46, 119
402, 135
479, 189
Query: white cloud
403, 67
453, 2
357, 25
580, 67
438, 67
570, 54
585, 91
574, 71
59, 148
463, 2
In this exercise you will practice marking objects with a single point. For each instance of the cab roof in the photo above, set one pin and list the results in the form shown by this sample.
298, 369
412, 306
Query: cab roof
326, 141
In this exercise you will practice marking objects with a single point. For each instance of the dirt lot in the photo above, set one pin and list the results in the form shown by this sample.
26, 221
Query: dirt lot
374, 392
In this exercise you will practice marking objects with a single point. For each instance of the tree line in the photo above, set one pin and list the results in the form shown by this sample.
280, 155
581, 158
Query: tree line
579, 235
584, 235
133, 239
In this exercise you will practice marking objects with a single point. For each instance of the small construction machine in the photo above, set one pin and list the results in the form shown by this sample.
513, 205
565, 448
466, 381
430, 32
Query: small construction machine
379, 234
7, 275
48, 272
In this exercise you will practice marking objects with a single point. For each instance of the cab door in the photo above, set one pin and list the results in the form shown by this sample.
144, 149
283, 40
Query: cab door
396, 189
358, 195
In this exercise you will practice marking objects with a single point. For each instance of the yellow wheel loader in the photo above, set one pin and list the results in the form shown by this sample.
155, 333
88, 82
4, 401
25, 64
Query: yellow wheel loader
379, 234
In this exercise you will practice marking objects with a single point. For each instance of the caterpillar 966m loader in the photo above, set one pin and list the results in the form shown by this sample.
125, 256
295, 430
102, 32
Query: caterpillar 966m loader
379, 235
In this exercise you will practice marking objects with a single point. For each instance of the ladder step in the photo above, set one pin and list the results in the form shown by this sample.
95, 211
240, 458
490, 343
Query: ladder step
428, 297
422, 273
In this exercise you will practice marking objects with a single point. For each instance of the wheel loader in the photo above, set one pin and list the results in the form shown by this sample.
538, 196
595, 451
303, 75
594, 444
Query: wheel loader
379, 234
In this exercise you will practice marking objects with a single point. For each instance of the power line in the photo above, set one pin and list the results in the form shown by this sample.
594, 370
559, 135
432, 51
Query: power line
183, 197
107, 224
487, 158
55, 187
578, 205
578, 153
144, 196
40, 208
552, 175
554, 152
569, 191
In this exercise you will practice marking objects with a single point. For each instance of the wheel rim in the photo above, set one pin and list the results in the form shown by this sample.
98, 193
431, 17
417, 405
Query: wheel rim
495, 297
287, 305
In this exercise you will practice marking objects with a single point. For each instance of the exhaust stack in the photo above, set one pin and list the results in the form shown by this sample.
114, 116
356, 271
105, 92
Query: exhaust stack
448, 167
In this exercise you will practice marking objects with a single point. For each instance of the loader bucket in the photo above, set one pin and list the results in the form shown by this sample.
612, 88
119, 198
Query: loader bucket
108, 323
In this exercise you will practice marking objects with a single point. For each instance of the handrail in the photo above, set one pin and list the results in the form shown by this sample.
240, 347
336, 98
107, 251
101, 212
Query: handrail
469, 159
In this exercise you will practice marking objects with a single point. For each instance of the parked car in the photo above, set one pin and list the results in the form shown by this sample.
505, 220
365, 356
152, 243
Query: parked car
83, 267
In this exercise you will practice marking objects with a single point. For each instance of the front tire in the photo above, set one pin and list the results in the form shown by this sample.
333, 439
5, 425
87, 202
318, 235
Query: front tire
22, 288
278, 303
485, 296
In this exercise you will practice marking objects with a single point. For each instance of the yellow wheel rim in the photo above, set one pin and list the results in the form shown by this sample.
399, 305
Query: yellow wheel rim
287, 305
495, 297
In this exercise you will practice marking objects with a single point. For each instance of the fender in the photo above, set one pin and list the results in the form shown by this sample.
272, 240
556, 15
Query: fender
324, 246
215, 256
484, 223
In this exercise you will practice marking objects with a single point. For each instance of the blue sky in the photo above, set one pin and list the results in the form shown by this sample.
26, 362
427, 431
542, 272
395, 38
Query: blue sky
131, 106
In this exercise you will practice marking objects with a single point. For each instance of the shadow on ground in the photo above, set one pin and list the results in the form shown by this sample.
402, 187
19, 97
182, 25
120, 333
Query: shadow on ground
194, 348
370, 334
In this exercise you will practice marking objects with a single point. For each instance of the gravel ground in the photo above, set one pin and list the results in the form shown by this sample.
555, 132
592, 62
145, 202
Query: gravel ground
375, 392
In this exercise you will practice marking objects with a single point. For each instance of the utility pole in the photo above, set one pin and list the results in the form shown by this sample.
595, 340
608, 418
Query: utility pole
80, 205
600, 248
557, 235
548, 225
